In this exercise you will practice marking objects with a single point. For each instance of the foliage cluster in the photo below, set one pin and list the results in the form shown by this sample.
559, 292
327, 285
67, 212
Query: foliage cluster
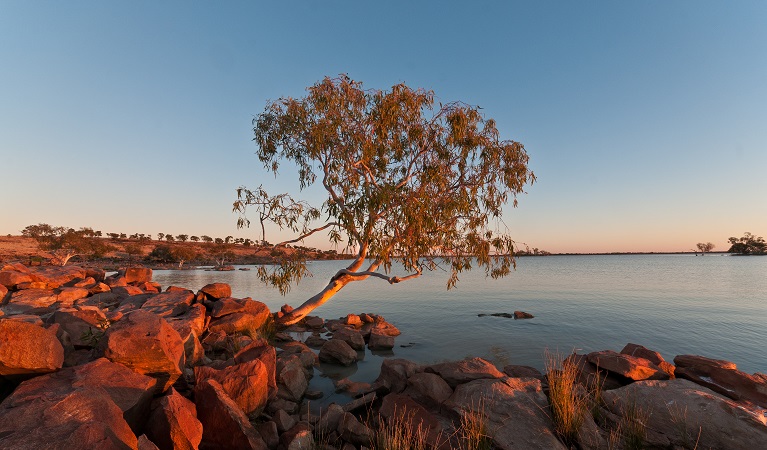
749, 244
64, 243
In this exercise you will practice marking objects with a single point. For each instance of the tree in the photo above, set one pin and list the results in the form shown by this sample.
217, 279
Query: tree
169, 238
64, 243
407, 181
194, 238
749, 244
182, 237
228, 240
161, 253
219, 241
183, 254
114, 236
160, 236
705, 247
133, 249
206, 238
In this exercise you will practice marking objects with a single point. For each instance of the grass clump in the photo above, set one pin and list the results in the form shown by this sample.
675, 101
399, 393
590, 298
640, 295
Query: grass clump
568, 406
473, 429
400, 433
633, 425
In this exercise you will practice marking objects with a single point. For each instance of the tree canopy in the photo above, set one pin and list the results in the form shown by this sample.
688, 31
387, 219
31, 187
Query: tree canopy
63, 243
749, 244
408, 180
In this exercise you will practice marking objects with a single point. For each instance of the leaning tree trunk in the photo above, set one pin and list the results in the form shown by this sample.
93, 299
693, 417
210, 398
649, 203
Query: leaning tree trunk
335, 285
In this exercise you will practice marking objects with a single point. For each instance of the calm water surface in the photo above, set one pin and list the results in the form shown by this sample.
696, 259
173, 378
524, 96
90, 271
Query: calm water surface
714, 306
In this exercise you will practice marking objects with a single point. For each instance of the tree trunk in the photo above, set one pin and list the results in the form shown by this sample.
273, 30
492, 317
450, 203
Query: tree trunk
335, 285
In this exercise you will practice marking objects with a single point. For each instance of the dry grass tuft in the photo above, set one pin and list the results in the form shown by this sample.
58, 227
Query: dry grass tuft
473, 429
567, 405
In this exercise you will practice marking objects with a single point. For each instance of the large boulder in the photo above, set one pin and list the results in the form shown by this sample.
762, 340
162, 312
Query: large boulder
83, 325
459, 372
137, 275
224, 424
650, 355
380, 341
428, 389
350, 336
169, 304
515, 410
90, 406
631, 367
173, 424
10, 277
67, 296
702, 361
681, 414
57, 276
27, 349
291, 377
336, 351
146, 343
394, 375
250, 320
727, 381
216, 291
31, 300
247, 384
399, 410
265, 353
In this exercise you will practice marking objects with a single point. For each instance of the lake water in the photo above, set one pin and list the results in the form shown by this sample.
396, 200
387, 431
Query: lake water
714, 306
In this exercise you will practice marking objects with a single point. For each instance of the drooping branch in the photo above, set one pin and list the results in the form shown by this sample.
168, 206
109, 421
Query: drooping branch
307, 234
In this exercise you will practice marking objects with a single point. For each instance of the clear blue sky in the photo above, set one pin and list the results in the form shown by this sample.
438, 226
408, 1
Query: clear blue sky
646, 122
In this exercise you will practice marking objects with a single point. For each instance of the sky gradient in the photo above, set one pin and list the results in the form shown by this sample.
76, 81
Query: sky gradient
646, 122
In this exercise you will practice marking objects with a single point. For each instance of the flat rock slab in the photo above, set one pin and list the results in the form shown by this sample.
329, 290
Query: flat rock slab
686, 415
459, 372
515, 410
631, 367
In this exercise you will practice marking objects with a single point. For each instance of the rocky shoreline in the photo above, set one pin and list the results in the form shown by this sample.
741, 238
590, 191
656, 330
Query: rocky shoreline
90, 361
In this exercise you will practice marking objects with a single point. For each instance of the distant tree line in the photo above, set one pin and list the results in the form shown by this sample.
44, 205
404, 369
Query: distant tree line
749, 244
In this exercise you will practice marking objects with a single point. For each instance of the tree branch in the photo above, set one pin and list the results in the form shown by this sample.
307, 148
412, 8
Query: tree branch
309, 233
365, 274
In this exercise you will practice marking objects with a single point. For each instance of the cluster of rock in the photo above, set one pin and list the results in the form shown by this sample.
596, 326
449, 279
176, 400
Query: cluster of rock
90, 361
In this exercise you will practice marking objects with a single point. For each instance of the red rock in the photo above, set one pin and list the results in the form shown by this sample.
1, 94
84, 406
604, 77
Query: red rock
226, 306
30, 299
297, 438
173, 423
149, 287
68, 295
352, 337
428, 389
32, 285
459, 372
3, 292
86, 283
286, 309
681, 414
217, 290
10, 278
137, 275
516, 371
146, 343
247, 384
398, 408
291, 379
56, 276
101, 300
631, 367
314, 322
28, 318
241, 322
115, 281
80, 324
516, 411
126, 291
265, 353
94, 272
380, 341
129, 392
731, 383
98, 288
28, 349
353, 320
145, 444
336, 351
169, 304
81, 420
590, 376
224, 424
394, 375
701, 361
353, 431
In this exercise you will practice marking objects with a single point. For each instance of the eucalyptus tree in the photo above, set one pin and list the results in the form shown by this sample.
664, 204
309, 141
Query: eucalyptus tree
408, 181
